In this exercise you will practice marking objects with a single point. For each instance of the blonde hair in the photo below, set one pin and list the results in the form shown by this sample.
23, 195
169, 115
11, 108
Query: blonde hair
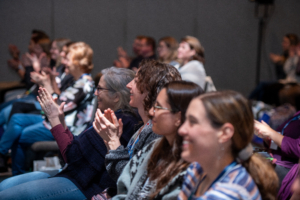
82, 56
195, 44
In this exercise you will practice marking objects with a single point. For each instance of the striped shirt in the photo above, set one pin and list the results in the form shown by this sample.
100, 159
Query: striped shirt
235, 183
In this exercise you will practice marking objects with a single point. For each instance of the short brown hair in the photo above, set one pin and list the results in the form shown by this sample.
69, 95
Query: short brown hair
152, 76
150, 41
82, 56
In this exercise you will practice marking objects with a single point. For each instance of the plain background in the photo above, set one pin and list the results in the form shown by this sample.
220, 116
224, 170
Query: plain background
228, 30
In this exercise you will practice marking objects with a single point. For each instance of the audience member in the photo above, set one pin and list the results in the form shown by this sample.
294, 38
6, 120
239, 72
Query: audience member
290, 66
288, 41
18, 64
147, 51
191, 56
123, 58
85, 174
25, 129
149, 174
217, 133
167, 50
149, 80
295, 188
36, 60
59, 81
284, 147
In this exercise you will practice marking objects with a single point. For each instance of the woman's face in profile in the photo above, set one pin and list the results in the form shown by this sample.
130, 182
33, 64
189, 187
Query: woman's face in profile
184, 51
164, 122
54, 51
198, 135
163, 50
136, 97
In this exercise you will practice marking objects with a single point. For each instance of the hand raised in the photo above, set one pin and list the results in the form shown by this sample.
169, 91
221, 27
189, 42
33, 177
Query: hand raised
262, 129
50, 108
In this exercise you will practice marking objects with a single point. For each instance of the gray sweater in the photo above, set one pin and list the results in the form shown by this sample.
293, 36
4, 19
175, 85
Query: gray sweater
116, 160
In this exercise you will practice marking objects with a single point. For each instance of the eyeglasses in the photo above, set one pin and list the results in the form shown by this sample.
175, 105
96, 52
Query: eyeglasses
101, 89
161, 108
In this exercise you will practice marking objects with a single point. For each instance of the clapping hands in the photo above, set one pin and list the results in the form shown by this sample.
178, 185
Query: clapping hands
109, 128
52, 110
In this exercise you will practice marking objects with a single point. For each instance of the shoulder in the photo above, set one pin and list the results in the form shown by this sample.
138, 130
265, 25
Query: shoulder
148, 148
194, 63
191, 179
127, 116
237, 184
193, 67
86, 82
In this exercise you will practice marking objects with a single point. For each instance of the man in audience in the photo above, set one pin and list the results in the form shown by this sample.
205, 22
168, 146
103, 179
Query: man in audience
147, 51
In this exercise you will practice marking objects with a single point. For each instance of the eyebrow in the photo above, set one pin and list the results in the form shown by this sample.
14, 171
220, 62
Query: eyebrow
156, 102
191, 117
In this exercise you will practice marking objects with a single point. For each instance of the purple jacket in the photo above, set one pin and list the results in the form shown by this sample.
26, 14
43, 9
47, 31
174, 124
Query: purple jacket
289, 153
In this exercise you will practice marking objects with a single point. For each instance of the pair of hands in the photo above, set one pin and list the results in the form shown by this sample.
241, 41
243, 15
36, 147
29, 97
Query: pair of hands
123, 60
45, 77
263, 130
38, 62
52, 110
109, 128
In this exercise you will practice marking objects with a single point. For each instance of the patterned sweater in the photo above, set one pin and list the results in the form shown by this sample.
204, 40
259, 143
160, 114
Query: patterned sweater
235, 183
134, 183
116, 160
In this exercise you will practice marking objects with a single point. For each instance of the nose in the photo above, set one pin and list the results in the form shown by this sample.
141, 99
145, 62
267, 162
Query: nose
182, 130
96, 92
129, 85
151, 112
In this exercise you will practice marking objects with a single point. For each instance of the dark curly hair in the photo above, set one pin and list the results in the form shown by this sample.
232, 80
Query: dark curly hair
151, 78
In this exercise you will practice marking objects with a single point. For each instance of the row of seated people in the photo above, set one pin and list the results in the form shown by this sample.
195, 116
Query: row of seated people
286, 88
187, 57
38, 58
100, 99
24, 124
190, 144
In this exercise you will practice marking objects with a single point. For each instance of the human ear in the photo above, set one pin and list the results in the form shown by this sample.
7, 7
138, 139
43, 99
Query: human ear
116, 98
178, 119
193, 52
226, 133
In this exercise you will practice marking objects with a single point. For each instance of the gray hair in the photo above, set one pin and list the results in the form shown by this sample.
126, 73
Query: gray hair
116, 80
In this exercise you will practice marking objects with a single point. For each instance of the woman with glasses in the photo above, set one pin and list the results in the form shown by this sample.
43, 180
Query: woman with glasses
85, 174
156, 172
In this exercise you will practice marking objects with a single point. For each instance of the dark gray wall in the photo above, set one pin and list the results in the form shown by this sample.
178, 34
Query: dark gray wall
227, 29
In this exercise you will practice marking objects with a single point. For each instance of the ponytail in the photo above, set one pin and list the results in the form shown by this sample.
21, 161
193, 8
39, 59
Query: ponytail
263, 174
